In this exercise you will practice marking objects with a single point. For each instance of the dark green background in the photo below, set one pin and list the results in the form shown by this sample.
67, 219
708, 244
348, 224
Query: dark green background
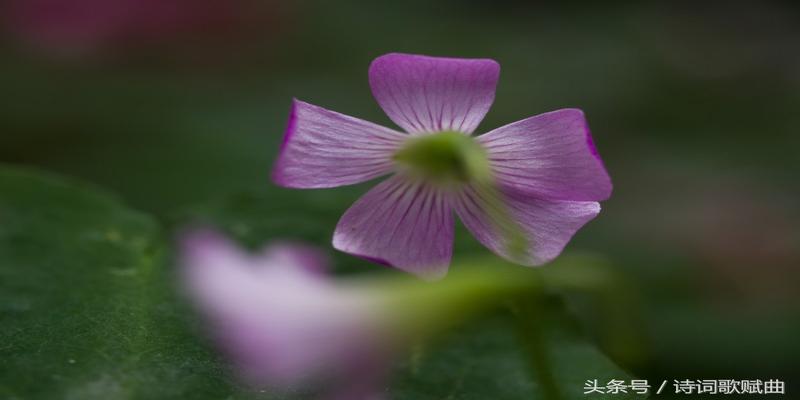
694, 109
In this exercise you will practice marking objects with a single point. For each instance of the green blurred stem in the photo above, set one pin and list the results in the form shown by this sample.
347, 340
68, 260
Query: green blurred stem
528, 316
514, 239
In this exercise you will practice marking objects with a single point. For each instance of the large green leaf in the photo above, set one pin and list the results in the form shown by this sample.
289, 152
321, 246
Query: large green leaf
88, 306
87, 309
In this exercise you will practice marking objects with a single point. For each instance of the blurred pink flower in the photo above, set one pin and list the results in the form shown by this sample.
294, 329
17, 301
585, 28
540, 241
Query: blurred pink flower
80, 27
282, 322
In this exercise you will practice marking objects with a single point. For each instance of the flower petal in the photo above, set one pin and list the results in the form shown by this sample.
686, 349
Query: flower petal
323, 148
281, 323
432, 94
546, 225
550, 156
400, 223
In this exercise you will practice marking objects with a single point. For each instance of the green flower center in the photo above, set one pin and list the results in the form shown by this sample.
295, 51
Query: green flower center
448, 158
445, 156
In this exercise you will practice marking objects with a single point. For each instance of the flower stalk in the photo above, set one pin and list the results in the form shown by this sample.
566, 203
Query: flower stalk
528, 314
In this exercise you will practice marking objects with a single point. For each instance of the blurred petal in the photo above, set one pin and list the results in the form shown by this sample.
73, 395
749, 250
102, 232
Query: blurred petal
432, 94
295, 255
401, 223
547, 225
549, 156
281, 324
323, 148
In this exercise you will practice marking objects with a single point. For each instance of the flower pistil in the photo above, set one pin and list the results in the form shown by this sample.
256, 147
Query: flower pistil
444, 157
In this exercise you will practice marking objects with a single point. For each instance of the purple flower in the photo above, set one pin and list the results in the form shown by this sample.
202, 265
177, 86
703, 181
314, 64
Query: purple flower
282, 322
546, 170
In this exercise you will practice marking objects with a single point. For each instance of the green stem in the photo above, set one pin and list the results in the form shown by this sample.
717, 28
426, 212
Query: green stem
528, 312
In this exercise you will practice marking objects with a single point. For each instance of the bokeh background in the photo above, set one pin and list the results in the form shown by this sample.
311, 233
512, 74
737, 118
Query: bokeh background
179, 107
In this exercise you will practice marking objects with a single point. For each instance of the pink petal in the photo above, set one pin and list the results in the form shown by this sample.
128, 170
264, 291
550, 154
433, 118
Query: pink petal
279, 320
432, 94
323, 148
550, 156
400, 223
310, 260
547, 225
